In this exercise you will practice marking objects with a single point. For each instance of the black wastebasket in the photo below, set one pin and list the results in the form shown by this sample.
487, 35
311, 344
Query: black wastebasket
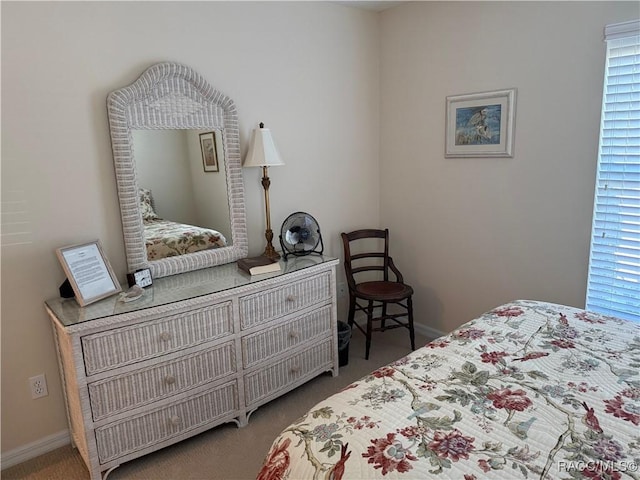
344, 335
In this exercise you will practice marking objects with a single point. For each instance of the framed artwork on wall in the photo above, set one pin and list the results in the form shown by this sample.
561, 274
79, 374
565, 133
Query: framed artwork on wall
480, 124
209, 152
88, 272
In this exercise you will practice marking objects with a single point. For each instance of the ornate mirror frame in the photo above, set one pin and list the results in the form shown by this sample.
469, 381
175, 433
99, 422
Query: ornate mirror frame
173, 96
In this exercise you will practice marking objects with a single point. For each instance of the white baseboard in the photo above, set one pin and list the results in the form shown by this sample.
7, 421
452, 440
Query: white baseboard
429, 332
35, 449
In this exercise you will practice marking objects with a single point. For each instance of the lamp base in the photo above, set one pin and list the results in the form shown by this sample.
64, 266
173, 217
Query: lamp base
269, 251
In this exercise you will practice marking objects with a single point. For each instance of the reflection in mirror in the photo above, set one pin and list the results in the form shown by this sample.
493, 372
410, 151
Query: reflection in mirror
170, 165
161, 126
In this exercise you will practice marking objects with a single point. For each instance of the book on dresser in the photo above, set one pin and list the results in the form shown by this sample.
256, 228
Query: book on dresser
258, 265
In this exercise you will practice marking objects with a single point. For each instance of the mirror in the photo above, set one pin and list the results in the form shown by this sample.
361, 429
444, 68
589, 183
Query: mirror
184, 189
176, 151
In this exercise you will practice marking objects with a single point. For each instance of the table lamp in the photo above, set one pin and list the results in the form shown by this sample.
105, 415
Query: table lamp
263, 153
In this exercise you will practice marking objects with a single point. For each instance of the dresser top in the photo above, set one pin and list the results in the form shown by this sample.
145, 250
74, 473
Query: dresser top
177, 288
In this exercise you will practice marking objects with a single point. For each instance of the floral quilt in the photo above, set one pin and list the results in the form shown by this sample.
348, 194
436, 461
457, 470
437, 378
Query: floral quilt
527, 390
164, 238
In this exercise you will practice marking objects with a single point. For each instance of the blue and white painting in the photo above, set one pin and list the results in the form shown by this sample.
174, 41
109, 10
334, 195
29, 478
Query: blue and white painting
478, 125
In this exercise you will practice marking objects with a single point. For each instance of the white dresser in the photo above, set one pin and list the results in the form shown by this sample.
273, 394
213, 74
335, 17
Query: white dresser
197, 350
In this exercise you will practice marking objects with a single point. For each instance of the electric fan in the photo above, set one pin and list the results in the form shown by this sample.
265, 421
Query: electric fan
300, 235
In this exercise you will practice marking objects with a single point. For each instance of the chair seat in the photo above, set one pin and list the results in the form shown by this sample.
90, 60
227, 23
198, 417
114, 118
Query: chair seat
383, 291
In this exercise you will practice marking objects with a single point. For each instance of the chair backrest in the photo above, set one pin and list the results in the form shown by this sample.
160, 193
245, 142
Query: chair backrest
358, 262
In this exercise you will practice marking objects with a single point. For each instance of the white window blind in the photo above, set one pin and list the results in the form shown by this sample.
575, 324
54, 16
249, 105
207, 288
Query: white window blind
614, 265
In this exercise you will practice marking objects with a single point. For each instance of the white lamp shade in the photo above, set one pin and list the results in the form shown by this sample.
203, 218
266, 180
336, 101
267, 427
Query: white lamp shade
262, 150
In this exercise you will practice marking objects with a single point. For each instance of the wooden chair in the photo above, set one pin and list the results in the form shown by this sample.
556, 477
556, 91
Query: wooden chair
371, 296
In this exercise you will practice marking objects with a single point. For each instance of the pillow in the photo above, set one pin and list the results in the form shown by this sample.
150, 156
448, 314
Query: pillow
146, 205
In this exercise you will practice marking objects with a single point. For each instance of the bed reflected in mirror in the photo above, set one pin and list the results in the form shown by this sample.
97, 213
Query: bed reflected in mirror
183, 201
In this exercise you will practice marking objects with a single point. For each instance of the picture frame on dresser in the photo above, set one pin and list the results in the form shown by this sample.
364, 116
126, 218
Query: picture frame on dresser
88, 271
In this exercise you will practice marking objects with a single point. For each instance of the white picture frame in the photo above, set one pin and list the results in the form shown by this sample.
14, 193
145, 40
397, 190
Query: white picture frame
88, 272
480, 124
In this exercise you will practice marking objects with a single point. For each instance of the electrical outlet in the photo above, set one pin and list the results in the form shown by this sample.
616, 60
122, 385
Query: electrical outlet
342, 289
38, 385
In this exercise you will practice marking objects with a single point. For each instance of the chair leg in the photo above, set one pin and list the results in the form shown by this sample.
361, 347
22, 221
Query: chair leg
352, 309
412, 334
369, 327
384, 315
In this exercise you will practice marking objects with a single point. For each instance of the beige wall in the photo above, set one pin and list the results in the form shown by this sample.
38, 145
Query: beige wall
308, 70
473, 233
469, 233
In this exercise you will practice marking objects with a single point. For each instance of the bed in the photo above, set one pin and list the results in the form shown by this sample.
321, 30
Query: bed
164, 238
527, 390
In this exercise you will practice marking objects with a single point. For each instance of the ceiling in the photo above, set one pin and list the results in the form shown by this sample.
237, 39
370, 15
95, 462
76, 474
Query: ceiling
372, 5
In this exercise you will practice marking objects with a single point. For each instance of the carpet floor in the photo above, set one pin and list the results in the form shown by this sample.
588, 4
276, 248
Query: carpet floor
228, 452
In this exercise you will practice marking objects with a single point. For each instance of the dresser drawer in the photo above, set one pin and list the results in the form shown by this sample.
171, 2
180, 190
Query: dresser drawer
122, 438
140, 387
268, 343
287, 298
123, 346
269, 380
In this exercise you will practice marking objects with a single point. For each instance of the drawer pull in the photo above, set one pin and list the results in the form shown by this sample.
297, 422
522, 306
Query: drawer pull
175, 420
295, 369
169, 379
293, 334
290, 298
165, 336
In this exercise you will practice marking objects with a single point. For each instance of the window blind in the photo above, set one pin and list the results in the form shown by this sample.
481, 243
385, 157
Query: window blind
614, 265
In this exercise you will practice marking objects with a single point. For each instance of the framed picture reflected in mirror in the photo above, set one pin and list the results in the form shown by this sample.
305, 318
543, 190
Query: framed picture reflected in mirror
209, 152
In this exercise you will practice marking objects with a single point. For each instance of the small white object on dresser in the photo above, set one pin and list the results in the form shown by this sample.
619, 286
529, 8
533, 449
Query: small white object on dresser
197, 350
